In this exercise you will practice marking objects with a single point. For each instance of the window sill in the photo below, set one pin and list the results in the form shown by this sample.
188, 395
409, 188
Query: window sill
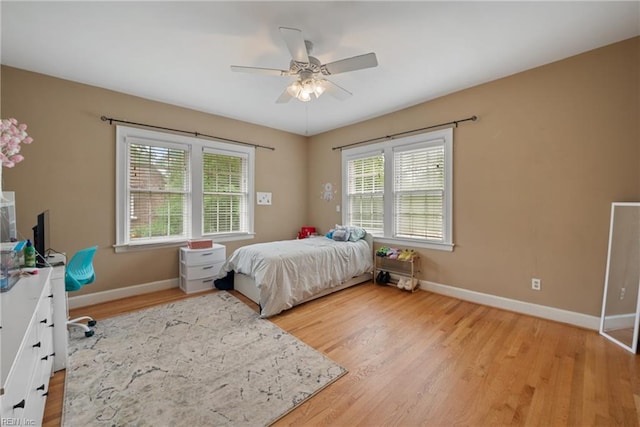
447, 247
136, 247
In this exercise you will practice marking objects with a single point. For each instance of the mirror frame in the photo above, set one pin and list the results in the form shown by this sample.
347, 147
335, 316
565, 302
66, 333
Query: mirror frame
636, 328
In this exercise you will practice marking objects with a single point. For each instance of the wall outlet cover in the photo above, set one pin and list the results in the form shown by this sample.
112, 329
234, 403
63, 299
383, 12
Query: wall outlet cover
263, 198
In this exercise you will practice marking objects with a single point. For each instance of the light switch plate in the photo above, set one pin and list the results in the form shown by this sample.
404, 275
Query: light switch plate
264, 198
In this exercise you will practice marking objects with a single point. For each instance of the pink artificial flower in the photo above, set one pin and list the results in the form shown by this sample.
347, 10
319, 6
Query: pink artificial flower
12, 134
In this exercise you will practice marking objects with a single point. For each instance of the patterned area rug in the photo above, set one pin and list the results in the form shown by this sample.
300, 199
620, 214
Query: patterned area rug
207, 361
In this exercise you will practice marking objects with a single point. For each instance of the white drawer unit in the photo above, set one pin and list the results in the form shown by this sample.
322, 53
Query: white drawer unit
198, 267
27, 348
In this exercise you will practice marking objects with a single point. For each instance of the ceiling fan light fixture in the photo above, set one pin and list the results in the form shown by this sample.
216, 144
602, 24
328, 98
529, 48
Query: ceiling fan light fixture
303, 89
319, 87
294, 89
309, 86
304, 96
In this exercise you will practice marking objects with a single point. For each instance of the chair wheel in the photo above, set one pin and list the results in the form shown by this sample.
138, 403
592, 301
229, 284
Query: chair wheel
89, 334
92, 323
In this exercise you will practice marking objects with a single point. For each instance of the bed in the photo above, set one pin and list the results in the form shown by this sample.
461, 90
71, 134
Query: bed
280, 275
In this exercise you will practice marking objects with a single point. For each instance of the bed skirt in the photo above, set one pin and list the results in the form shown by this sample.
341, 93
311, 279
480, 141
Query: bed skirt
247, 287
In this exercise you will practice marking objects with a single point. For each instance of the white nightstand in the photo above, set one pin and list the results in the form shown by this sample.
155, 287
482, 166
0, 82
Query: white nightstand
198, 267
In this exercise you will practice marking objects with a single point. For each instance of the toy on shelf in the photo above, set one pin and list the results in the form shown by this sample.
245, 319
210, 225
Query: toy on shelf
393, 253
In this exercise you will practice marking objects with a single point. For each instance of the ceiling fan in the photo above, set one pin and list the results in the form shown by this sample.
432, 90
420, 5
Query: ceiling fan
309, 72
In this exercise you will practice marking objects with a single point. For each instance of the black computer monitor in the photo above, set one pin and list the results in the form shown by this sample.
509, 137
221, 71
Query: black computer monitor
41, 238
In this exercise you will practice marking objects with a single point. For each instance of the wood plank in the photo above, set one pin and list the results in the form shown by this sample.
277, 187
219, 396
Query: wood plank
427, 359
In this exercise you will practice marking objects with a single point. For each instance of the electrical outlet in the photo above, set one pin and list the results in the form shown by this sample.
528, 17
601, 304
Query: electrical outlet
622, 292
536, 284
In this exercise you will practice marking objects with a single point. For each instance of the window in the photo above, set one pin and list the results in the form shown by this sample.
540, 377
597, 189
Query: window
401, 190
225, 192
171, 188
158, 190
365, 177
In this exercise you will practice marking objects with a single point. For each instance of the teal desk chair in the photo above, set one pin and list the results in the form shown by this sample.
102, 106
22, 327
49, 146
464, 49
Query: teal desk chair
79, 272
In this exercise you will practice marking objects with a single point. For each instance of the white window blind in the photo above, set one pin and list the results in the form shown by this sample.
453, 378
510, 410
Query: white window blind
419, 191
225, 192
170, 188
158, 187
365, 192
401, 191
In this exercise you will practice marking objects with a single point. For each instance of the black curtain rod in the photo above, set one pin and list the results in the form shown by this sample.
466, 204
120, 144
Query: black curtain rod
196, 134
454, 123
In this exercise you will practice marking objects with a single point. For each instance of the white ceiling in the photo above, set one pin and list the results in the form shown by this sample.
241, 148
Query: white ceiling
180, 52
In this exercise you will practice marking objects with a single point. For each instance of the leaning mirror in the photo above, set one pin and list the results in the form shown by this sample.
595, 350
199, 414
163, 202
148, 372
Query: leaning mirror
621, 302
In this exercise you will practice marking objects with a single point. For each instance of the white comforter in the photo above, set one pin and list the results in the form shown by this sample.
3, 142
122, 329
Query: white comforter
289, 271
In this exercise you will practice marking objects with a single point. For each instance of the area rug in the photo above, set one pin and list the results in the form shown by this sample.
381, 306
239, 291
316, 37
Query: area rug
205, 361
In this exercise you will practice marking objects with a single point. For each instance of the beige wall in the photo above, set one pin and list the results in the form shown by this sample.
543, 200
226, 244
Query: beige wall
70, 170
534, 177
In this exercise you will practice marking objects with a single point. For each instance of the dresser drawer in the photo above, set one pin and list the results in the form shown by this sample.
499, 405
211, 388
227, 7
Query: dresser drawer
22, 372
201, 271
38, 390
196, 285
203, 256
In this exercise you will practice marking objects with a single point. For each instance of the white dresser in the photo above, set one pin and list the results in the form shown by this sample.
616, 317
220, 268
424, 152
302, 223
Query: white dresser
198, 267
27, 351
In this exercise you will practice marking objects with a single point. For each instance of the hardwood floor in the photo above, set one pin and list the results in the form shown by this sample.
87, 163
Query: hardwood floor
430, 360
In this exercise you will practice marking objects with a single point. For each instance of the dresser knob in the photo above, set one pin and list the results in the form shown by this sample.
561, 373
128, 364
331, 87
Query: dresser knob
41, 387
43, 321
19, 405
36, 344
50, 296
44, 358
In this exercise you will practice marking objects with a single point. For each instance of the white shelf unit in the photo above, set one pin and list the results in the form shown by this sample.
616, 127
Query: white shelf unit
198, 267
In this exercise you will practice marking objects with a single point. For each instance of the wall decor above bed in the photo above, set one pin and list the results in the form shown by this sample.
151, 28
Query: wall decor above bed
328, 191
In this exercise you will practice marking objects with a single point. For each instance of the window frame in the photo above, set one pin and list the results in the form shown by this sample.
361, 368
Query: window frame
444, 138
196, 148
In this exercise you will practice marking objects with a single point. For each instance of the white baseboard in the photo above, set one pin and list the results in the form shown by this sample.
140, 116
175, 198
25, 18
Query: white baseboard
113, 294
543, 311
620, 321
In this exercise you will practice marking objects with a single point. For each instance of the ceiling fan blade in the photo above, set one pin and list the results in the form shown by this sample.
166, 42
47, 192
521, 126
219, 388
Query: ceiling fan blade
335, 90
295, 43
367, 60
258, 70
284, 97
